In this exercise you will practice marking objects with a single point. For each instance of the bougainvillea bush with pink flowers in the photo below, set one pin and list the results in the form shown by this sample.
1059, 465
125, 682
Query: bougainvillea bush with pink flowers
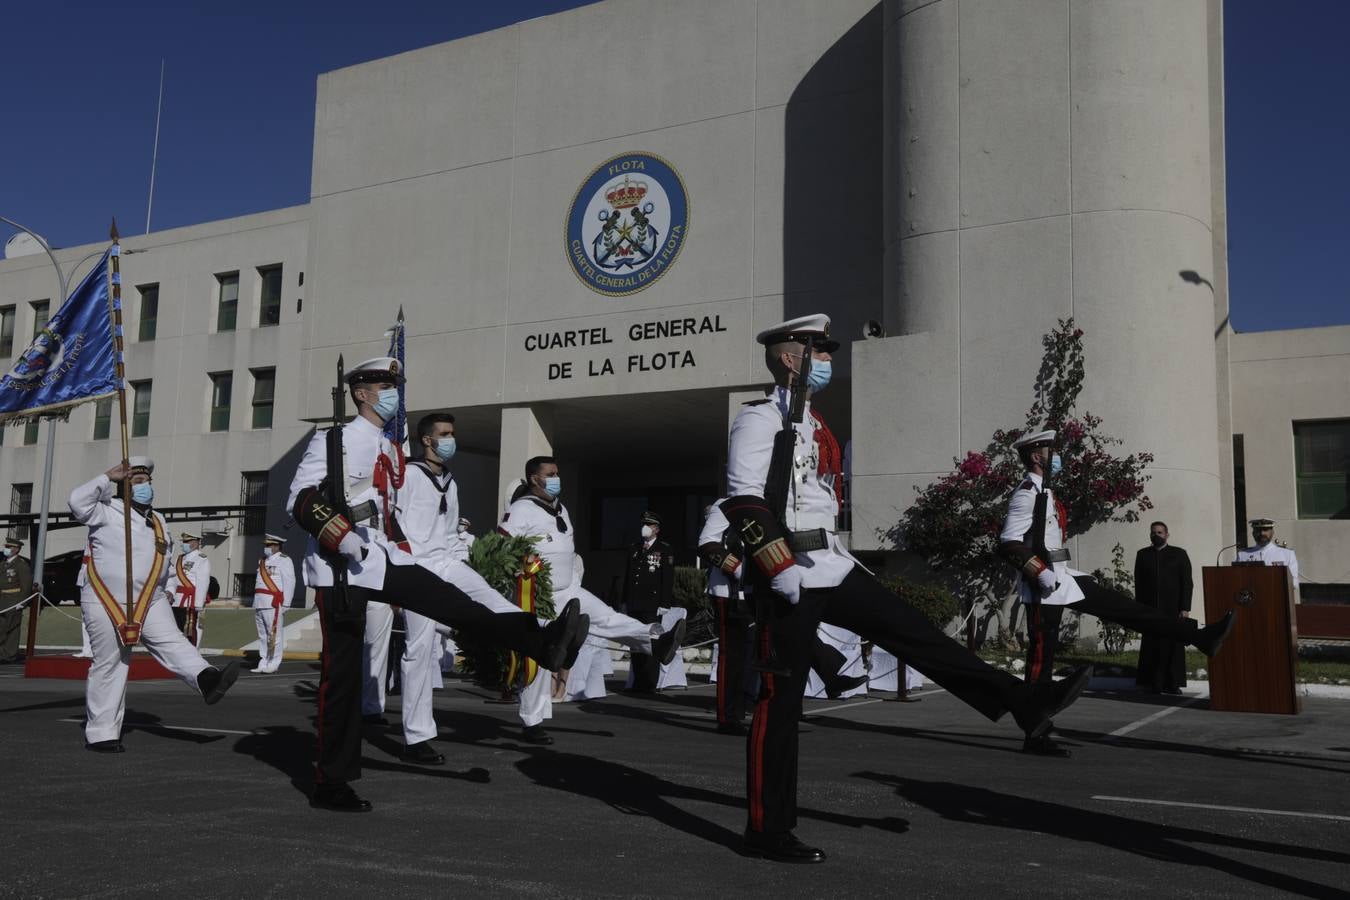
954, 522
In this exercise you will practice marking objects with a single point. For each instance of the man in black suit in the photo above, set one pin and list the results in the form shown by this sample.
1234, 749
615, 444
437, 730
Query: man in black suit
1162, 580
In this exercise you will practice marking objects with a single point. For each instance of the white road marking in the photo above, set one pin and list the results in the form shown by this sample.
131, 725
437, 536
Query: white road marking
169, 727
1242, 809
1150, 719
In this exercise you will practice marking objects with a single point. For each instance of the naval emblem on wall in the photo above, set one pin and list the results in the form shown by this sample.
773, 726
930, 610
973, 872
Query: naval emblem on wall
627, 224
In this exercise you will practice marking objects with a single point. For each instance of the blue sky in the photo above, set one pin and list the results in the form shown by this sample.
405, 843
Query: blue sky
239, 114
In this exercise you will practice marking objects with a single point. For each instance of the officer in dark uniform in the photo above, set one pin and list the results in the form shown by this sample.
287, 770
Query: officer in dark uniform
16, 584
648, 584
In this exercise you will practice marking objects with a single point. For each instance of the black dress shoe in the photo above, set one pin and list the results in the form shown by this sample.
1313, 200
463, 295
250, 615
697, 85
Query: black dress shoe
113, 746
781, 848
664, 647
213, 682
583, 629
1209, 639
423, 754
535, 734
560, 637
338, 798
1044, 746
839, 685
374, 719
1037, 717
1172, 692
735, 729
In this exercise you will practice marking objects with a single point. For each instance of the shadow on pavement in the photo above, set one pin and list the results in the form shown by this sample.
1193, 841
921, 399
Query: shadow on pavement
634, 792
1134, 743
50, 704
1170, 843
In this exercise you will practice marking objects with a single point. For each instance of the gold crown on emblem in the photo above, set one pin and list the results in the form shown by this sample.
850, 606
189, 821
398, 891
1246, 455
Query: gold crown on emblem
627, 194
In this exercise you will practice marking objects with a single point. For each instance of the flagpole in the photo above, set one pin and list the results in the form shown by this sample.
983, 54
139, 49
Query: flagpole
115, 316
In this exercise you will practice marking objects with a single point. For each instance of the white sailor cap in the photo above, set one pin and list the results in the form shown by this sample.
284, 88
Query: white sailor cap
381, 368
273, 539
141, 464
189, 536
465, 522
813, 330
1262, 523
1035, 439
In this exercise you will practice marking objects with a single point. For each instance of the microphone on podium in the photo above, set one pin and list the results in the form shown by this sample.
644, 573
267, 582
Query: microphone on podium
1220, 553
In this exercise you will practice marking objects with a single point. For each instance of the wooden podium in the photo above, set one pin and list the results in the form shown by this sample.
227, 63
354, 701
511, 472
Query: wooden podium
1254, 671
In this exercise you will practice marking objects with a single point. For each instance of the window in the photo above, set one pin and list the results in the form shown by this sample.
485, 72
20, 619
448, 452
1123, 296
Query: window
140, 415
21, 501
228, 309
270, 311
30, 433
1322, 468
41, 313
102, 418
222, 386
264, 386
149, 311
253, 493
6, 331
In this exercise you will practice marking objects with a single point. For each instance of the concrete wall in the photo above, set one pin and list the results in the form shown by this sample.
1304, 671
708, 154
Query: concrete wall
442, 179
1044, 160
193, 465
1280, 378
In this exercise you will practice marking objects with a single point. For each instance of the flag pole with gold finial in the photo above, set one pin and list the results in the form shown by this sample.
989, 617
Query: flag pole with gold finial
130, 630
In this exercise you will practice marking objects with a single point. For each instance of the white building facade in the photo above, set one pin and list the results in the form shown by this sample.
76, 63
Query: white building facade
587, 217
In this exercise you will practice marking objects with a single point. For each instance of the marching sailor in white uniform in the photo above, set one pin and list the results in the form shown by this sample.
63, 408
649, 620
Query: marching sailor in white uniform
1269, 551
103, 598
272, 593
186, 588
364, 540
792, 550
536, 511
1033, 542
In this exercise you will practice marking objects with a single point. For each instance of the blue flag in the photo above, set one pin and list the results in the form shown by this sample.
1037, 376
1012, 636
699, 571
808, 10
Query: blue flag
69, 362
396, 429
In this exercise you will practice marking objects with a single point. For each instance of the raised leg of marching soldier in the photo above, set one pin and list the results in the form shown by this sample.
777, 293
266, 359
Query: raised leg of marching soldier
105, 695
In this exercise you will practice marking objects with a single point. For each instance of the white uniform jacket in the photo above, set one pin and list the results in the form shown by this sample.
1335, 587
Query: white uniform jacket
428, 510
811, 502
193, 593
282, 572
1272, 554
533, 517
95, 505
1017, 527
363, 443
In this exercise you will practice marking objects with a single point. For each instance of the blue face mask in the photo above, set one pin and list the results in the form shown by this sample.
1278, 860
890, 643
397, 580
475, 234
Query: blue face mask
187, 548
1056, 465
142, 493
445, 448
387, 405
553, 485
819, 376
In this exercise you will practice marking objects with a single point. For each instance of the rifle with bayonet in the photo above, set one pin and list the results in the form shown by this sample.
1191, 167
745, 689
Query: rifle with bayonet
334, 489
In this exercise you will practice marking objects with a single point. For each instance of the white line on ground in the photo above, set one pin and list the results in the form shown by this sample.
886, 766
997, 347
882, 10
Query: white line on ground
1150, 719
1242, 809
170, 727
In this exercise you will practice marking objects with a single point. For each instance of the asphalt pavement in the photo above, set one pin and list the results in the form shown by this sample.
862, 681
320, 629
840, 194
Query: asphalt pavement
640, 797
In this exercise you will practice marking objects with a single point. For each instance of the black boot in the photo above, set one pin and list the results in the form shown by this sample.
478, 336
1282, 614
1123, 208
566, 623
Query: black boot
837, 685
1209, 639
664, 647
213, 682
562, 637
782, 847
423, 754
583, 629
1044, 746
338, 797
1036, 717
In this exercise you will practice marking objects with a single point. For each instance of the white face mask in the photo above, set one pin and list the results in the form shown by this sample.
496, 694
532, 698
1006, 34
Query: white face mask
10, 551
268, 551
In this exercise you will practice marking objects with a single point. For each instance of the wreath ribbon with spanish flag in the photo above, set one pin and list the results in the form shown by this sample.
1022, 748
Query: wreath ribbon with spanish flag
512, 566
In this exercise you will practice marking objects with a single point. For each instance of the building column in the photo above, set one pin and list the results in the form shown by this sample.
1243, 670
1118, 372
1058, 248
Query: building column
527, 431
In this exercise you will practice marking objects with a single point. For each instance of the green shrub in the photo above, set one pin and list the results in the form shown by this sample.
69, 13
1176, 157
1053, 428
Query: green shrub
937, 603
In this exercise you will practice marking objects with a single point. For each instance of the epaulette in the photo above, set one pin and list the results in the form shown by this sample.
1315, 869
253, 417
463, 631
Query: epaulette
1281, 544
759, 402
1027, 485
